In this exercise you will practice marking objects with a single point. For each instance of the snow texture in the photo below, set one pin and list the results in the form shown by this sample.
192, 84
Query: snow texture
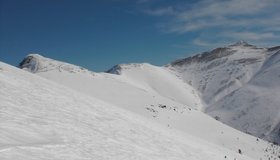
233, 84
44, 120
239, 85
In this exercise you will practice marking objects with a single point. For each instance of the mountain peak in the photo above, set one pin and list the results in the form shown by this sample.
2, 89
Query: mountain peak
35, 55
31, 62
37, 63
241, 43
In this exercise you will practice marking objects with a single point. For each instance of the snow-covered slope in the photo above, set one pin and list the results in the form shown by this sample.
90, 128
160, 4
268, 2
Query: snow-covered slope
255, 107
156, 93
158, 80
239, 85
43, 120
219, 72
151, 83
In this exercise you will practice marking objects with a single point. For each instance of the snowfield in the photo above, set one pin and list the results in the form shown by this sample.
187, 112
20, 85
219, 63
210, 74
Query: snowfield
44, 120
141, 111
233, 84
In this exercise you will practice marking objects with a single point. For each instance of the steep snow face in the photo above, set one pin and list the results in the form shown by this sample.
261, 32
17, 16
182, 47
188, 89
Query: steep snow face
239, 85
217, 73
254, 108
43, 120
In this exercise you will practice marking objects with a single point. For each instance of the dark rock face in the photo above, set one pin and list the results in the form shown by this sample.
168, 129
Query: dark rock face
115, 70
25, 61
242, 43
36, 63
30, 63
274, 48
246, 61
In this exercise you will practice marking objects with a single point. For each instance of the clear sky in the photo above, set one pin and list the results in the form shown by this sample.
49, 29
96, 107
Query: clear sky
98, 34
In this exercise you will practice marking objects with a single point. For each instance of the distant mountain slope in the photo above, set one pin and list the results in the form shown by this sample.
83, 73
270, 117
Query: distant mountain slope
239, 85
219, 72
254, 108
43, 120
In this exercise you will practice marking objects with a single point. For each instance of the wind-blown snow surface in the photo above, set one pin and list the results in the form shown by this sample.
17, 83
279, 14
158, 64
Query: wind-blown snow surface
153, 92
240, 85
43, 120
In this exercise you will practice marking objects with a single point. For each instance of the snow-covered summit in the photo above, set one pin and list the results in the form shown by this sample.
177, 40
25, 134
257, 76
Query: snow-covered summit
204, 57
31, 62
36, 63
242, 43
239, 50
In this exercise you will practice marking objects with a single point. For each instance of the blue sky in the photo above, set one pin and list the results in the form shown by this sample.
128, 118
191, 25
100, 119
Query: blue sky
98, 34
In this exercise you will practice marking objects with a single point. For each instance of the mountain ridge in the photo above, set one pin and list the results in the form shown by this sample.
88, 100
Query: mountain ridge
46, 120
210, 78
225, 75
221, 135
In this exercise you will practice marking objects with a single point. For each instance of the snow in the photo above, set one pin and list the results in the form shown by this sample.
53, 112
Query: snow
158, 80
254, 108
225, 68
139, 90
163, 96
239, 84
41, 119
241, 43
